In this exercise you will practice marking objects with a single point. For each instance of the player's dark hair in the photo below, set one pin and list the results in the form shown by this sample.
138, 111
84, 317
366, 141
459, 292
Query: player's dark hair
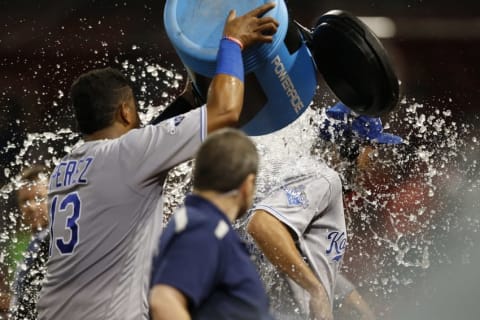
224, 160
96, 96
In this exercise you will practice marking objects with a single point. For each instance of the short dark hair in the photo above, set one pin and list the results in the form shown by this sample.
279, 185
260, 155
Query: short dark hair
96, 96
224, 160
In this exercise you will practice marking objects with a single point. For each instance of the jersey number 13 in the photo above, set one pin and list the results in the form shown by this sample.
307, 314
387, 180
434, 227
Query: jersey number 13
69, 207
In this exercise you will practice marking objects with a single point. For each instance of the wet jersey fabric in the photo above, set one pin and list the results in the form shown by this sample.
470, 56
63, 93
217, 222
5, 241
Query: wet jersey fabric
105, 205
343, 288
203, 257
306, 195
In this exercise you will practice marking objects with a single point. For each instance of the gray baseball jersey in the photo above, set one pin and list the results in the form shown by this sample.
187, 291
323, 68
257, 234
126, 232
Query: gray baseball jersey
105, 217
311, 205
343, 288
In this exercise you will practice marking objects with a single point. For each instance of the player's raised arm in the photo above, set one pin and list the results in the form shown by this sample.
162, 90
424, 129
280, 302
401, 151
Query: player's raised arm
226, 91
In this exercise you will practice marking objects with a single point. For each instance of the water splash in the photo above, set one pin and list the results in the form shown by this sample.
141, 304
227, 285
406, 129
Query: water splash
395, 237
152, 82
399, 231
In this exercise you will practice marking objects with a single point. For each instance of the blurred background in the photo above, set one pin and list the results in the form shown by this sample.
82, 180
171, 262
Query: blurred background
434, 46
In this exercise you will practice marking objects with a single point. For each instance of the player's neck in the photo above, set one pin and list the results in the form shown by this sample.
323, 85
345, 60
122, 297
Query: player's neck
112, 132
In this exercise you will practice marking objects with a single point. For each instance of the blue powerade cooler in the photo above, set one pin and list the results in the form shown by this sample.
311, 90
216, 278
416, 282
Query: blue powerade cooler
280, 77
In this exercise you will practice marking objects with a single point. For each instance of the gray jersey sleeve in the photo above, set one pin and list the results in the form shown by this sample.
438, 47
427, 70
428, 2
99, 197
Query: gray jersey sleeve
157, 148
312, 206
297, 202
343, 287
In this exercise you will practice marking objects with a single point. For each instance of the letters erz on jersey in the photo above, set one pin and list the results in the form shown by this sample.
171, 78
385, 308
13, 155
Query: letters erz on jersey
71, 172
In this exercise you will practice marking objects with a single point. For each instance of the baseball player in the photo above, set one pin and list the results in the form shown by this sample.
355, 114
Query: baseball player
105, 200
299, 225
353, 139
203, 270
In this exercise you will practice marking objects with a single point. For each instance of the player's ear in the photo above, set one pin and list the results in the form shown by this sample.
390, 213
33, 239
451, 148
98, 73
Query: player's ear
123, 115
248, 185
127, 115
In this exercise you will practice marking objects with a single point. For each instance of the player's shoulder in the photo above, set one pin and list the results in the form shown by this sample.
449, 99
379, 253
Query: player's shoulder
187, 219
325, 172
169, 127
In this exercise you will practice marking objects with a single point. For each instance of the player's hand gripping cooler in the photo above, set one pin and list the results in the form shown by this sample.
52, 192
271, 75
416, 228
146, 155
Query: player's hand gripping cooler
281, 77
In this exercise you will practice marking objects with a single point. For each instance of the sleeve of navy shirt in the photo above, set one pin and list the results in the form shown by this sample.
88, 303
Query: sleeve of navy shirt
187, 260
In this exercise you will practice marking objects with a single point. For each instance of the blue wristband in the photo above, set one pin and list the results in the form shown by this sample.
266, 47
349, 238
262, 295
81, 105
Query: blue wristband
229, 59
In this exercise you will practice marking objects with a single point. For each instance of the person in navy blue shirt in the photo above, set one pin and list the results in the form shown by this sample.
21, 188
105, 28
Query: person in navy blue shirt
202, 269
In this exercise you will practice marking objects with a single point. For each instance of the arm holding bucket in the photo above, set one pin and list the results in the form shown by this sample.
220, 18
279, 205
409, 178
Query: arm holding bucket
226, 91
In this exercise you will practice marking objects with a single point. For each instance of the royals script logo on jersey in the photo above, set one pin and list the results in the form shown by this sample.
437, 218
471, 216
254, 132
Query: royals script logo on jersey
338, 243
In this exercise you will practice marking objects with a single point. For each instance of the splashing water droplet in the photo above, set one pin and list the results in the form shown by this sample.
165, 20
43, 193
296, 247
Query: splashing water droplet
151, 69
